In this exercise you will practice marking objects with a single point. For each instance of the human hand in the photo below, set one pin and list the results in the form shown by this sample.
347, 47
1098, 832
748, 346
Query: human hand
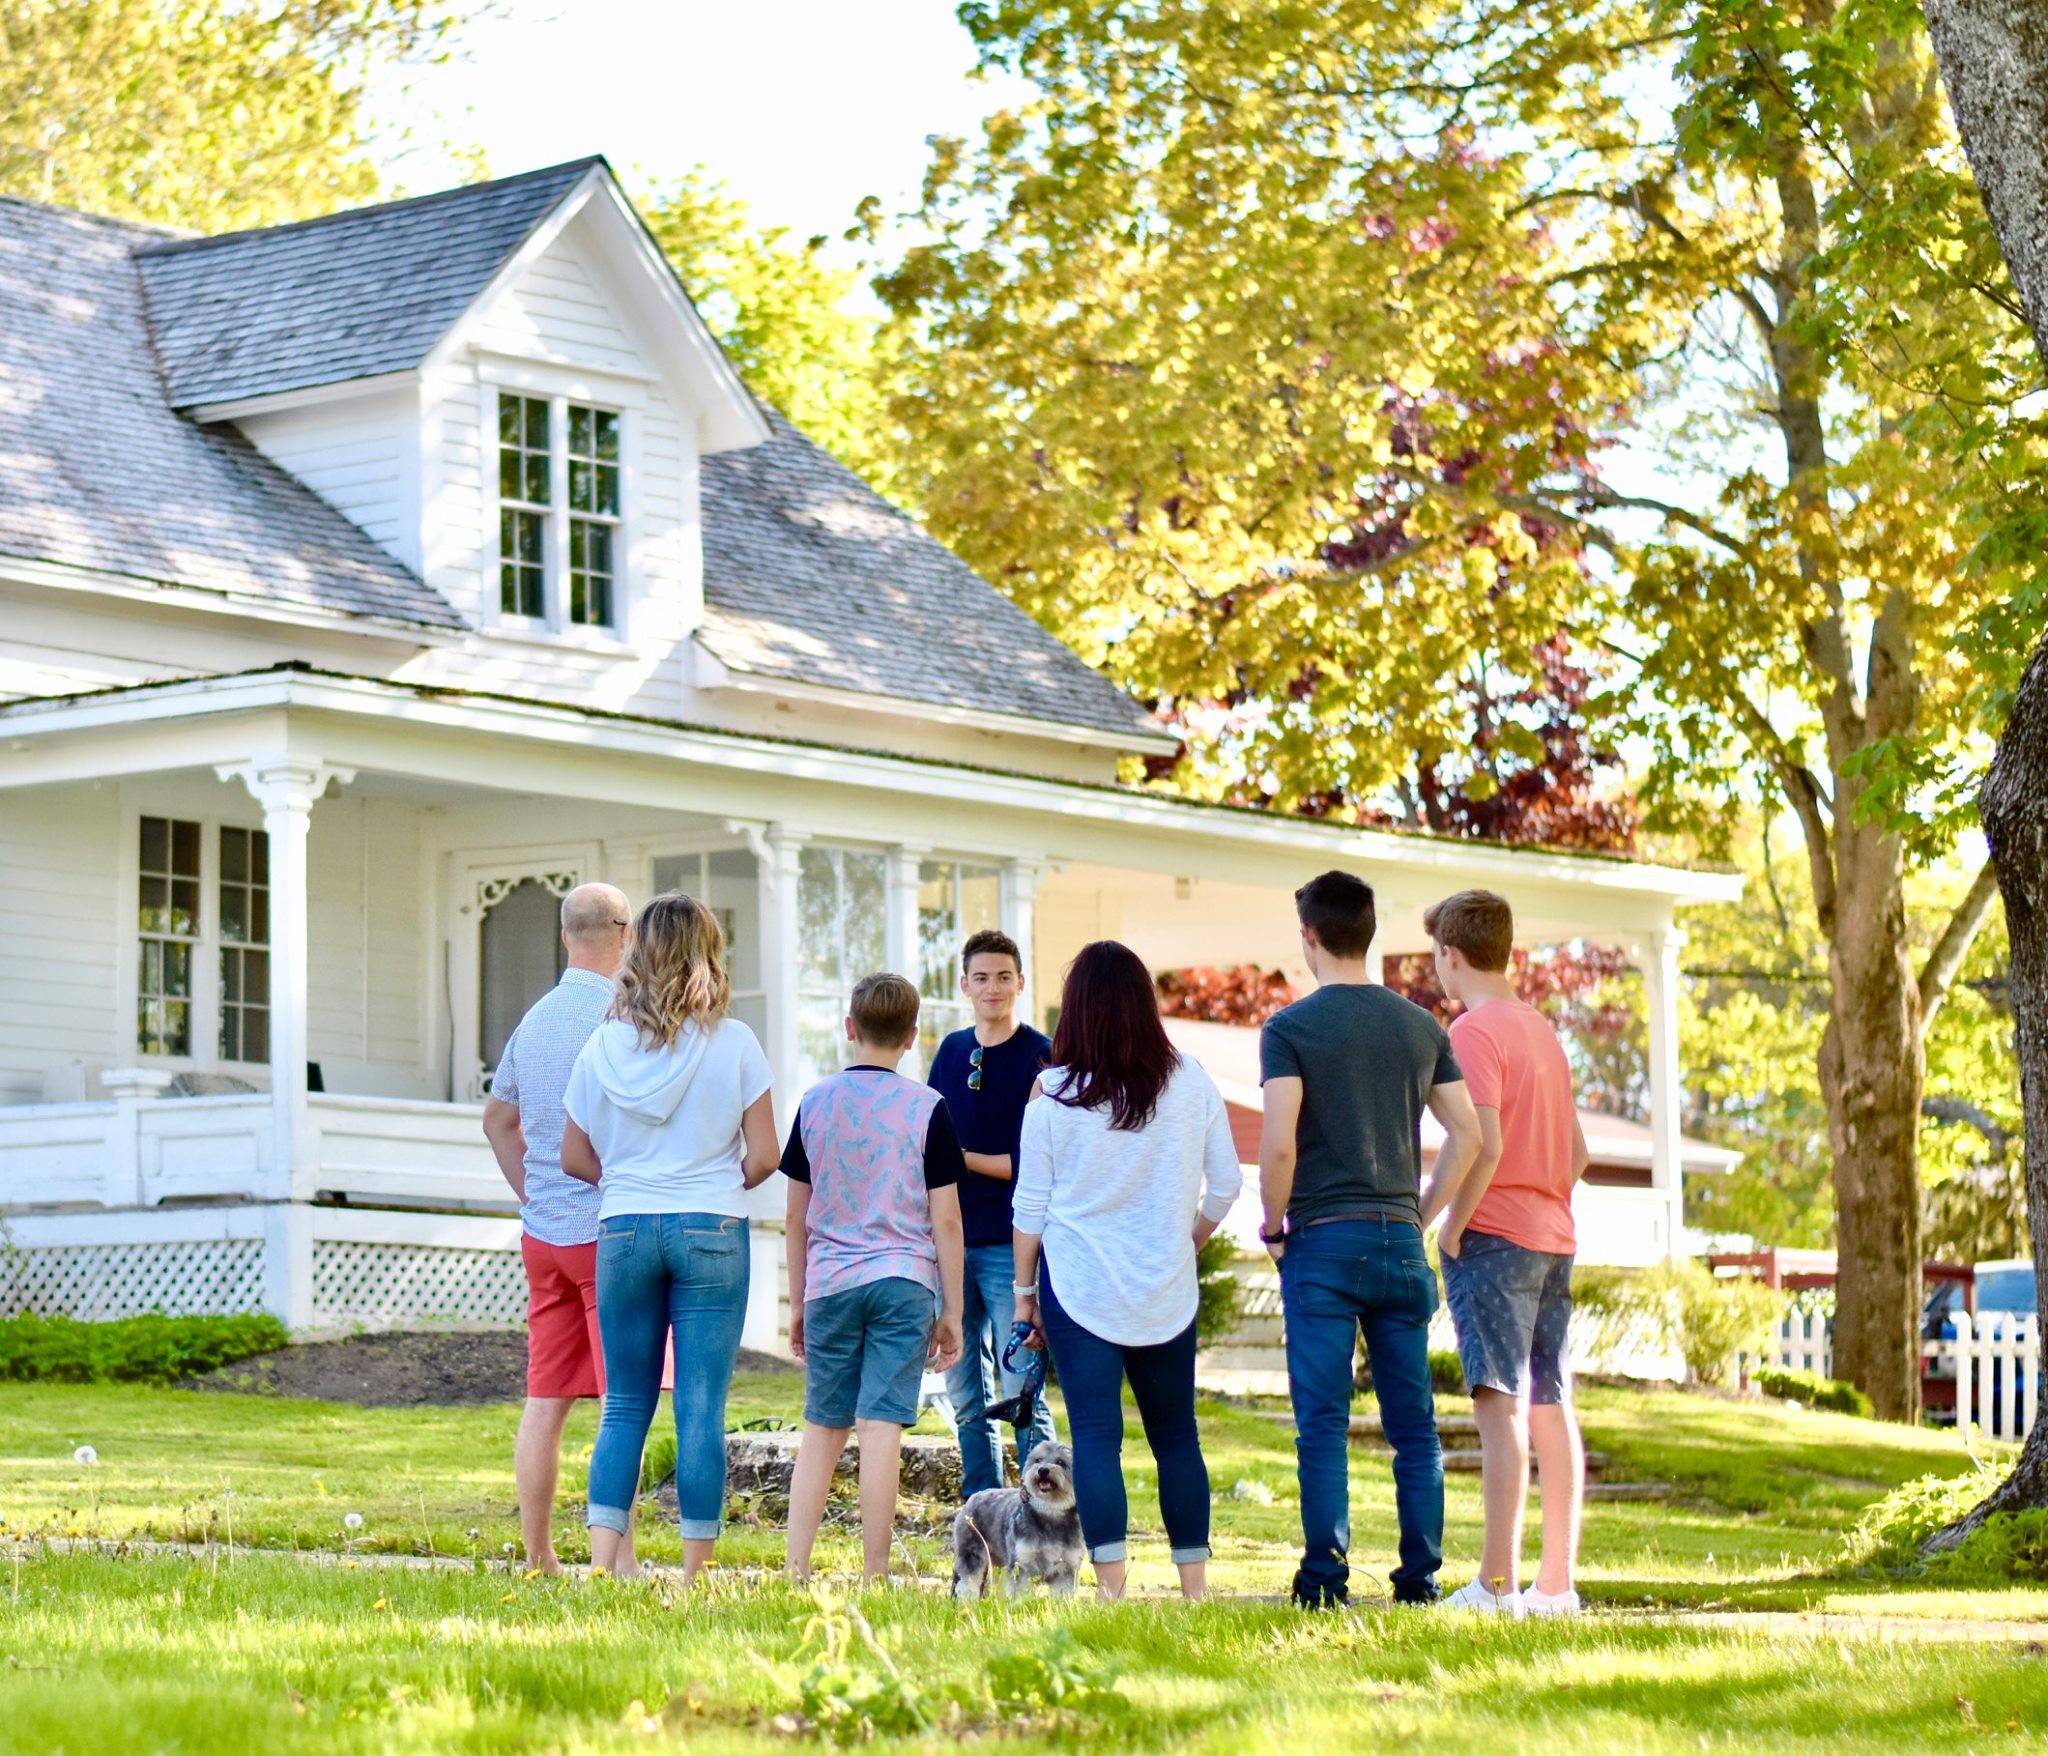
1275, 1248
946, 1346
796, 1333
1026, 1312
1450, 1241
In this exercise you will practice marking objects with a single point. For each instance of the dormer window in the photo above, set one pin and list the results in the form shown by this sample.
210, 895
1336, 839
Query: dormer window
558, 512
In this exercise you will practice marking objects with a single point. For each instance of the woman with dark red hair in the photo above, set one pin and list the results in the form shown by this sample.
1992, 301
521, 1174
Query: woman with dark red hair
1126, 1167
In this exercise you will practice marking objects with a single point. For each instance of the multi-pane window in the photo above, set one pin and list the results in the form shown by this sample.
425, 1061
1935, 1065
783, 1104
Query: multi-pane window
593, 513
168, 928
728, 882
244, 945
559, 544
841, 926
524, 502
953, 901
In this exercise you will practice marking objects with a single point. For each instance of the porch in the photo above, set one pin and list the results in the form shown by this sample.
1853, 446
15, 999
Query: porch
321, 903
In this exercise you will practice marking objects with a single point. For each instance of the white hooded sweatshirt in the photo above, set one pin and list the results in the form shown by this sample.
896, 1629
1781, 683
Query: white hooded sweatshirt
666, 1121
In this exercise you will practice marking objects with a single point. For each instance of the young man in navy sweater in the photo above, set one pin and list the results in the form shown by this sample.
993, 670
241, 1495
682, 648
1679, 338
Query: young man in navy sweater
985, 1074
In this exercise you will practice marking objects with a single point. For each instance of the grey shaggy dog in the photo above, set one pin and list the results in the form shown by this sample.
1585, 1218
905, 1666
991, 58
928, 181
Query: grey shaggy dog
1033, 1531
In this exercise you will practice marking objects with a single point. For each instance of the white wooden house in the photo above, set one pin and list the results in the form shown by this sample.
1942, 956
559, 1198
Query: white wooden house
364, 584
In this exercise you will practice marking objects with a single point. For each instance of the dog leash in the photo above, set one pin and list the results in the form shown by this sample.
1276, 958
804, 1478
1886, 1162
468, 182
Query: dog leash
1018, 1409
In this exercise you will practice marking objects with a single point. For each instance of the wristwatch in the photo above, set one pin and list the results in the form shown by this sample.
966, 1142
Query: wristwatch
1275, 1237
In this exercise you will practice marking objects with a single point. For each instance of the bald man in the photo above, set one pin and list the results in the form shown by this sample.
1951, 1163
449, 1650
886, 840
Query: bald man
558, 1238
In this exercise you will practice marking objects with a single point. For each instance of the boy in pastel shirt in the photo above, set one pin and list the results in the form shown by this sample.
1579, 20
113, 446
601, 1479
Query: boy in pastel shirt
1507, 1245
874, 1241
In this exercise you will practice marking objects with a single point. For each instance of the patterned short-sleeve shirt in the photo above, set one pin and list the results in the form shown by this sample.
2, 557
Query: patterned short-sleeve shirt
533, 1074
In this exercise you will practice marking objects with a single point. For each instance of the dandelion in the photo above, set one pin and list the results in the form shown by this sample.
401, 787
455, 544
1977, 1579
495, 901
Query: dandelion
511, 1548
1256, 1493
474, 1533
85, 1454
352, 1520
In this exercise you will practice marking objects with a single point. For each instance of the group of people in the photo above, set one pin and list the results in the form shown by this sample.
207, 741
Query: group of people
1052, 1194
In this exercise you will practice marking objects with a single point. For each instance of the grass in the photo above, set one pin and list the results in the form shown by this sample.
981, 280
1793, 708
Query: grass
262, 1653
230, 1648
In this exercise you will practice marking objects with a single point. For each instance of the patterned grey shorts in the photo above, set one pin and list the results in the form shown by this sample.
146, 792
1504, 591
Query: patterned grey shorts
1511, 1308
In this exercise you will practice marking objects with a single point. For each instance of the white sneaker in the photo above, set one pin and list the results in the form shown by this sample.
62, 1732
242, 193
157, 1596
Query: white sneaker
1482, 1597
1542, 1603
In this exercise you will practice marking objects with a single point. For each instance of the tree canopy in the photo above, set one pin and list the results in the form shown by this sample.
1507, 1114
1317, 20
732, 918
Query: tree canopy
213, 114
1304, 361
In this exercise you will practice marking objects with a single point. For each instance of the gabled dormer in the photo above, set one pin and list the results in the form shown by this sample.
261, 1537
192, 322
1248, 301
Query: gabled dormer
478, 440
505, 386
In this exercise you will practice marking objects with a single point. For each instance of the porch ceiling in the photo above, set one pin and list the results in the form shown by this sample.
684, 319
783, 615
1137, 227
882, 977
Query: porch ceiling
429, 741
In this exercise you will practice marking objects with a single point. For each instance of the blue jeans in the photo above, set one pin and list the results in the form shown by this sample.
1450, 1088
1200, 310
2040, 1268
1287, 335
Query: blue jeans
655, 1270
1092, 1373
985, 1313
1335, 1280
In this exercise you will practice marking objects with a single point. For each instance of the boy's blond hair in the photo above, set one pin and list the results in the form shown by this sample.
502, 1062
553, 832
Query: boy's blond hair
1476, 922
884, 1009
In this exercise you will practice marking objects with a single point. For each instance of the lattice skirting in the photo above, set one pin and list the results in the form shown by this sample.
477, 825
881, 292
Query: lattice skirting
180, 1277
321, 1268
396, 1285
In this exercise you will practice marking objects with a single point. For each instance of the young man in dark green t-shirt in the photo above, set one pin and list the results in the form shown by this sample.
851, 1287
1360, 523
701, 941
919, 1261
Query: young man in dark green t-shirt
1347, 1073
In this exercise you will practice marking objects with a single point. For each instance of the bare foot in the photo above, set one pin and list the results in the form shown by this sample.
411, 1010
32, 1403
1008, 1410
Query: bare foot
548, 1564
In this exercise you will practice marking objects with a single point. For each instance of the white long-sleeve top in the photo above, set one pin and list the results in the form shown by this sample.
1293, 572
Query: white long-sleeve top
1116, 1210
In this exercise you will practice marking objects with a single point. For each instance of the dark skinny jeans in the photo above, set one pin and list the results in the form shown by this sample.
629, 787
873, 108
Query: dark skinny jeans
1162, 1378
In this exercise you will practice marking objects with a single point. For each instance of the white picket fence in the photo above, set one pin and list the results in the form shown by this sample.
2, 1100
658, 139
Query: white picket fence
1994, 1361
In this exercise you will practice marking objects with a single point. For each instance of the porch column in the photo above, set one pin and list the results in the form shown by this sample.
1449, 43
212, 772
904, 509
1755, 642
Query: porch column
287, 787
901, 948
1658, 960
900, 933
1021, 879
780, 854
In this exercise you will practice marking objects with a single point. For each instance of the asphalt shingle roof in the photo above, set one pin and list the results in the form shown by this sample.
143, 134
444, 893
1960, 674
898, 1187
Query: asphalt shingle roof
812, 577
349, 296
107, 329
97, 471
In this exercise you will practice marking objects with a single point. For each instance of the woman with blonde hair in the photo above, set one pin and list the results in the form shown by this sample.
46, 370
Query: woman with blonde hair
669, 1115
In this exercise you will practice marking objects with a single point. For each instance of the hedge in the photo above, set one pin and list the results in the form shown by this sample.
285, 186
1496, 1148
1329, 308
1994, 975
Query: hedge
130, 1350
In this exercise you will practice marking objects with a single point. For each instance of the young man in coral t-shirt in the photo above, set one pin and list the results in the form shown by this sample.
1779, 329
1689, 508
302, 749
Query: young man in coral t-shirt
1507, 1245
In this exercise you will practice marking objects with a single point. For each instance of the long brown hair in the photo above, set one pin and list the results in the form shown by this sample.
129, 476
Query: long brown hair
1109, 1038
674, 973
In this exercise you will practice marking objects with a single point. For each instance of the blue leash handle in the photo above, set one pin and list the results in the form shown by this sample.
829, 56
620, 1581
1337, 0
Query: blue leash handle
1034, 1372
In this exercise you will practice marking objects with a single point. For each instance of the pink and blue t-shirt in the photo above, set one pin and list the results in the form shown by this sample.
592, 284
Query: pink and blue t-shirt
872, 1145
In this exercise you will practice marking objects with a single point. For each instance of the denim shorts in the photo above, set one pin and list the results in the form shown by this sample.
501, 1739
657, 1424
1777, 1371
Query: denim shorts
1511, 1307
864, 1353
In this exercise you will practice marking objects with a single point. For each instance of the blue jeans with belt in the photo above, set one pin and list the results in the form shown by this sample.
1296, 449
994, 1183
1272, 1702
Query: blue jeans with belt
987, 1306
655, 1270
1337, 1279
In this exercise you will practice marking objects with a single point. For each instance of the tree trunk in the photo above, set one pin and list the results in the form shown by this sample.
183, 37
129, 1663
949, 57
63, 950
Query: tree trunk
1994, 63
1871, 1071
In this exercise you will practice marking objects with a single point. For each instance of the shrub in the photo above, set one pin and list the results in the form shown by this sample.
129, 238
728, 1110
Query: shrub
2007, 1547
1446, 1371
1218, 1291
1814, 1391
1707, 1319
1889, 1532
131, 1350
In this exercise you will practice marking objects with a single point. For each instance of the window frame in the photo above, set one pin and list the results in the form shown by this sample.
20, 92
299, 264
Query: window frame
208, 977
942, 1013
560, 392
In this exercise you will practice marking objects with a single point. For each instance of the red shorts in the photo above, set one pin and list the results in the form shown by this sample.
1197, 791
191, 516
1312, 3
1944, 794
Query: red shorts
563, 1354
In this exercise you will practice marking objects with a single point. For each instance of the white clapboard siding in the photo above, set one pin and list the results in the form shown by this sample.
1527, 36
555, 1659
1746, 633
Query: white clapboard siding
557, 311
370, 980
355, 454
59, 856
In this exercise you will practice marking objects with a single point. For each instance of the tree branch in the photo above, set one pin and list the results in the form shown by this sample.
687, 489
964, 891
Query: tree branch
1954, 944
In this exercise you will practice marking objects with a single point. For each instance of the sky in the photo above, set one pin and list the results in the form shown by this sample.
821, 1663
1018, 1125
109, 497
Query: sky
801, 107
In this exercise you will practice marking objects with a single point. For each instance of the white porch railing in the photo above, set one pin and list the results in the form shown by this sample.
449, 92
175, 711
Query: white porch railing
1806, 1343
401, 1151
134, 1151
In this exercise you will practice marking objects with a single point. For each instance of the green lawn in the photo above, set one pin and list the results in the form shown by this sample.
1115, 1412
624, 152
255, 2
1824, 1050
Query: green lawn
233, 1649
1765, 1491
